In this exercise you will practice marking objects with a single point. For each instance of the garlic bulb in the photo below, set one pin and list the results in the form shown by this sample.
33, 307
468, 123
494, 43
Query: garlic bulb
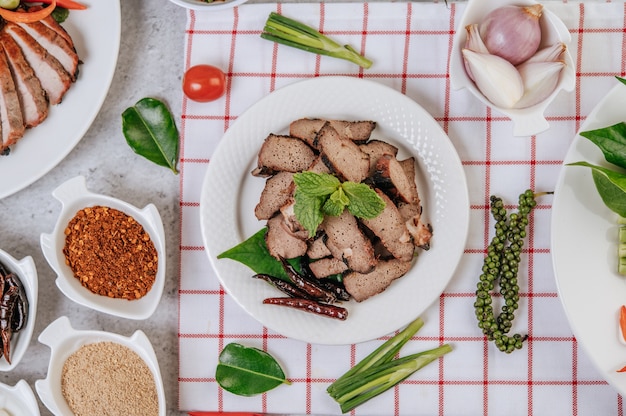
513, 32
540, 80
496, 78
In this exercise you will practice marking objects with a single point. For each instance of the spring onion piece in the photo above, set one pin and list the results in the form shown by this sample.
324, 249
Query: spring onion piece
292, 33
379, 371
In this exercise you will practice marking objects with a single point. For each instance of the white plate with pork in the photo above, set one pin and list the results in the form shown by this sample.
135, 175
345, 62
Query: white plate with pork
95, 33
230, 193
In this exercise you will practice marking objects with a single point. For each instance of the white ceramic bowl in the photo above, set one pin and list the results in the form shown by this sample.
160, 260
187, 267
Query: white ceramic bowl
526, 121
27, 273
64, 340
74, 196
18, 400
204, 6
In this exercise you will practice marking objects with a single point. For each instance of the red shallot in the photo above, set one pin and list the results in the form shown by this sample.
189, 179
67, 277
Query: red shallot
513, 32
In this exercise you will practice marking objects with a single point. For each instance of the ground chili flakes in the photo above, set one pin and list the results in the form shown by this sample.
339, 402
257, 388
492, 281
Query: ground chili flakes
110, 253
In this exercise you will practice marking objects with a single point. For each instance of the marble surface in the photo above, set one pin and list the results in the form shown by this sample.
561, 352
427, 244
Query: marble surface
150, 64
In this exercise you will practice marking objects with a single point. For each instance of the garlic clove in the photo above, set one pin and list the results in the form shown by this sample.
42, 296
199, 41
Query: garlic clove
540, 79
496, 78
550, 53
474, 43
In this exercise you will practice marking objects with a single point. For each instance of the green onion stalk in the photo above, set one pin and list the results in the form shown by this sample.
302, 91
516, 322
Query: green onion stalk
292, 33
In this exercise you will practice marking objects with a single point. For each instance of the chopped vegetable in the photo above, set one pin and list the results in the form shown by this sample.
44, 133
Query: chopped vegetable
9, 4
26, 16
378, 372
150, 130
66, 4
292, 33
247, 371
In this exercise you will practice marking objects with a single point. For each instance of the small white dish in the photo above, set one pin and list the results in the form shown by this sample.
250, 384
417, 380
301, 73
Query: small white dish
64, 340
526, 121
18, 400
74, 196
27, 274
204, 6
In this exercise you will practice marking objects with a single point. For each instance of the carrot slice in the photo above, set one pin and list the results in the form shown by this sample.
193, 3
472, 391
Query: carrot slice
622, 321
27, 17
66, 4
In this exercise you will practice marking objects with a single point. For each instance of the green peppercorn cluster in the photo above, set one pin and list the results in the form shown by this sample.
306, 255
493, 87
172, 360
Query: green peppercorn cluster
501, 267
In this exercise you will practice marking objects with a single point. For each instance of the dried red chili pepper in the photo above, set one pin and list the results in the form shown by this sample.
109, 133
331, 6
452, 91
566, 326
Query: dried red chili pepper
312, 306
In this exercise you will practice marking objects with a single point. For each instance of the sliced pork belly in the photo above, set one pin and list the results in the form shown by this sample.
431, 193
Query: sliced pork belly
280, 243
307, 129
11, 120
343, 157
283, 154
327, 267
390, 227
278, 189
364, 285
60, 30
348, 243
55, 44
53, 77
391, 177
375, 149
33, 99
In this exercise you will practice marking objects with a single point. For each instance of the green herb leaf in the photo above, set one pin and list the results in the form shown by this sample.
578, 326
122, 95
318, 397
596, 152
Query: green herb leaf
316, 184
253, 253
150, 131
364, 201
308, 210
247, 371
336, 203
611, 186
60, 14
612, 141
622, 80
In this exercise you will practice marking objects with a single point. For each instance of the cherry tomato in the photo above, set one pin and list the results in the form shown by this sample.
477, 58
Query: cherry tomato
204, 83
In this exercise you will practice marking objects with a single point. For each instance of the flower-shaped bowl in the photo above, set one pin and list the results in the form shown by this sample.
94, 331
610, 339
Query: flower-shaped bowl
26, 272
526, 121
74, 196
18, 400
64, 340
202, 5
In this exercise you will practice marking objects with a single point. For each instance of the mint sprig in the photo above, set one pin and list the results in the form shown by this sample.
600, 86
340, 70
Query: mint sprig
319, 194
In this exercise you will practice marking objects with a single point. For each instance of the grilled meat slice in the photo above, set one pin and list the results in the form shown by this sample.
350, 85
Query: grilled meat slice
11, 119
278, 189
283, 154
318, 166
390, 177
53, 77
60, 30
420, 232
307, 129
55, 44
318, 249
327, 267
343, 157
391, 229
362, 286
280, 243
375, 149
348, 243
33, 99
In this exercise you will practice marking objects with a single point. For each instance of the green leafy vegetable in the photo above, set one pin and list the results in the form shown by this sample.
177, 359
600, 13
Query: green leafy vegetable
150, 131
379, 371
612, 141
292, 33
321, 193
253, 253
611, 186
247, 371
60, 14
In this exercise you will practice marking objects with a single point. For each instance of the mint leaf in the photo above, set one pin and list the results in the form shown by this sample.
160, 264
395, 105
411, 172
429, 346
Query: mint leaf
364, 201
316, 184
308, 210
336, 203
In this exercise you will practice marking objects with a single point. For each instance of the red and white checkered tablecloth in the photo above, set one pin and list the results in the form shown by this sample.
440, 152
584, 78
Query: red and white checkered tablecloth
410, 45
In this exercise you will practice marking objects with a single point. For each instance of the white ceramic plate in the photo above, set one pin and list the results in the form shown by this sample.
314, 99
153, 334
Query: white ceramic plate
18, 400
584, 249
96, 35
202, 5
64, 340
230, 193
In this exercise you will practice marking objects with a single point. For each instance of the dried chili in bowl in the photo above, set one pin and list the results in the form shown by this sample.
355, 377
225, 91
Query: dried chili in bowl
110, 253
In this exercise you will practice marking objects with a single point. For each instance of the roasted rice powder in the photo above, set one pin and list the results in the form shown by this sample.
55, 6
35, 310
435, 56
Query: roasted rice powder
110, 253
